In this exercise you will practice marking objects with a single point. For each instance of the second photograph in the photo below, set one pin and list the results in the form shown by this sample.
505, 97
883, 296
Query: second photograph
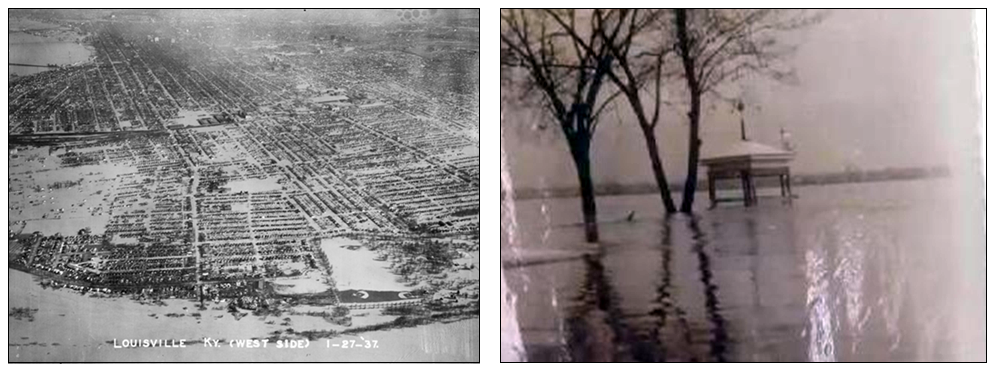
741, 185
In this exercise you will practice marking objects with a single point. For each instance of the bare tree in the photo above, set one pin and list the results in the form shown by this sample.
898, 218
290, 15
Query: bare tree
637, 68
571, 83
719, 45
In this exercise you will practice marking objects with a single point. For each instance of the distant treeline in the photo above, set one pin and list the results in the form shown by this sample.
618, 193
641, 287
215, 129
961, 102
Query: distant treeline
888, 174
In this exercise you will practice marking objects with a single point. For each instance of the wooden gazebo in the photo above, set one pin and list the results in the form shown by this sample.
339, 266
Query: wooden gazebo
746, 161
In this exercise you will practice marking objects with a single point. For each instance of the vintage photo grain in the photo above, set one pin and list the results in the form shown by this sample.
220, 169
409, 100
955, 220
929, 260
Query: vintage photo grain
744, 185
289, 185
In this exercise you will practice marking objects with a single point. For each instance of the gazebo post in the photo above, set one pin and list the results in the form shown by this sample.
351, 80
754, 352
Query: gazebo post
711, 189
788, 184
745, 181
781, 184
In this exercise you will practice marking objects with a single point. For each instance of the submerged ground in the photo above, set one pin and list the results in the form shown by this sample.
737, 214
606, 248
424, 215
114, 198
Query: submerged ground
888, 271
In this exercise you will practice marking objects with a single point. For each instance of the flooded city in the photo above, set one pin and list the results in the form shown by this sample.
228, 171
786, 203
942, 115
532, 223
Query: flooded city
243, 185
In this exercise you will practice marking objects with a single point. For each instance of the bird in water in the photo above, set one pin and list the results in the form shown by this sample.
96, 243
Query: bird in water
631, 216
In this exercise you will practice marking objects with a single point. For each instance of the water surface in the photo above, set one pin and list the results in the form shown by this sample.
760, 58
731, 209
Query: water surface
24, 48
70, 327
856, 272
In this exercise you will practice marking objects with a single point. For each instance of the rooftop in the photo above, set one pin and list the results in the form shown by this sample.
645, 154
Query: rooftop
743, 150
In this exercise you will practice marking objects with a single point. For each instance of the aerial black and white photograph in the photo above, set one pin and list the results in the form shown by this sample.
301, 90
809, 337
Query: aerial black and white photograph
743, 185
292, 185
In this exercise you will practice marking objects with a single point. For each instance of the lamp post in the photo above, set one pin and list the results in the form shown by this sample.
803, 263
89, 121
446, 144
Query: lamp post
786, 140
743, 127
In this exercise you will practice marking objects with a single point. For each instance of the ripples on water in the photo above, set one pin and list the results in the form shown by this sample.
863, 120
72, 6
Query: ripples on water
846, 273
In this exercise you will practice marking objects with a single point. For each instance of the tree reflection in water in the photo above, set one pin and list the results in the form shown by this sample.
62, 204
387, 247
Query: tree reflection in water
720, 337
599, 331
594, 327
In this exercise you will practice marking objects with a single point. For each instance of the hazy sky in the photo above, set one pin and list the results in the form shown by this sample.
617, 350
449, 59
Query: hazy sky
877, 88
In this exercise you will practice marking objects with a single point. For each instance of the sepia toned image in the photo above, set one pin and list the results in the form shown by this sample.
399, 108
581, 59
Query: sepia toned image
741, 185
266, 185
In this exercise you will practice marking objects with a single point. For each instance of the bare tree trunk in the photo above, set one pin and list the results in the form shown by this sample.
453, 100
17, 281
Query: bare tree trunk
581, 158
661, 179
694, 115
694, 152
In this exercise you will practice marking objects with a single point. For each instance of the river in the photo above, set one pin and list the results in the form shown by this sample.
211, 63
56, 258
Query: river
58, 49
890, 271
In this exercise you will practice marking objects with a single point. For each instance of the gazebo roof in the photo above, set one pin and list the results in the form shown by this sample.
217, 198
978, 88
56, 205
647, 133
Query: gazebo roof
747, 150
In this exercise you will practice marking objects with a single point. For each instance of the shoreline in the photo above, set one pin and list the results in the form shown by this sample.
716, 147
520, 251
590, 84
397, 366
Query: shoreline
644, 189
67, 327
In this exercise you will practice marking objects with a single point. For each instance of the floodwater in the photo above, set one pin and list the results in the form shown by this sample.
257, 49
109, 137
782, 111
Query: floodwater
58, 210
358, 268
70, 327
31, 49
890, 271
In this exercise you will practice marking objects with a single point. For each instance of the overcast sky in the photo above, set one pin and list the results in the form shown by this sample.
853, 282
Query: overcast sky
877, 88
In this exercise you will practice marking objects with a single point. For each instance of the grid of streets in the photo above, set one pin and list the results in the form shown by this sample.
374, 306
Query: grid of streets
206, 159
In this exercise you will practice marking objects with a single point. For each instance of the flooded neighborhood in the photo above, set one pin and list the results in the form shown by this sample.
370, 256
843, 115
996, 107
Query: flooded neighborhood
299, 179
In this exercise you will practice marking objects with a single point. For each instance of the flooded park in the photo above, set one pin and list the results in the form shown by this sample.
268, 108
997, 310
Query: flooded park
742, 185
